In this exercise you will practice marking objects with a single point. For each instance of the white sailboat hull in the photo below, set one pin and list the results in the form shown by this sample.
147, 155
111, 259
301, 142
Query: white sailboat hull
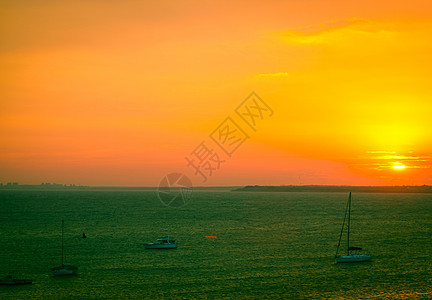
63, 272
162, 243
353, 258
64, 269
160, 246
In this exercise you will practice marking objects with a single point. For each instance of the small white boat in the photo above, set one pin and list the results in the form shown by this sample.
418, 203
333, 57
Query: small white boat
349, 258
64, 268
162, 243
352, 258
11, 280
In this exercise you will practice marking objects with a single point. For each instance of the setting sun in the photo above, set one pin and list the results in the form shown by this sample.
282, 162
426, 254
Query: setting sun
398, 166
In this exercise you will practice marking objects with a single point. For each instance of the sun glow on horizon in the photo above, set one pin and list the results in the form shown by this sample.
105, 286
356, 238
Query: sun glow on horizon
398, 166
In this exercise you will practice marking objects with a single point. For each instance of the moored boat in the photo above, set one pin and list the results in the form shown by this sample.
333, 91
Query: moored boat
349, 258
352, 258
64, 268
11, 280
162, 243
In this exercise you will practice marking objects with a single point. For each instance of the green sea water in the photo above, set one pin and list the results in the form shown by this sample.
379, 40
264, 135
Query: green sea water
268, 246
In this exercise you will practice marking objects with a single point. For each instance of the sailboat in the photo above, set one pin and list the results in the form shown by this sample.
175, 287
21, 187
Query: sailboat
64, 268
349, 258
12, 280
162, 243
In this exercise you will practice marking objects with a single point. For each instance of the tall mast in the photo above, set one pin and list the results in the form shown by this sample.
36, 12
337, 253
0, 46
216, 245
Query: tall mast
342, 228
349, 220
62, 240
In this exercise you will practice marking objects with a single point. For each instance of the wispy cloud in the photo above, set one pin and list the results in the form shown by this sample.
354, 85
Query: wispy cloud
328, 26
380, 152
273, 75
329, 31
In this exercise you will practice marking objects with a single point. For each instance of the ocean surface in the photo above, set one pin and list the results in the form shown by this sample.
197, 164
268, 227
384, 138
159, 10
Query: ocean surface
268, 245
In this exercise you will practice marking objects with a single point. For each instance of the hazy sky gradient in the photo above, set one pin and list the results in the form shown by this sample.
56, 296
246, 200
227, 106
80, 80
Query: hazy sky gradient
119, 92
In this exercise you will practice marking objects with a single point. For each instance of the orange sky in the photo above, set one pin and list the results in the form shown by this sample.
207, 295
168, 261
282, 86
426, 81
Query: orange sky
120, 92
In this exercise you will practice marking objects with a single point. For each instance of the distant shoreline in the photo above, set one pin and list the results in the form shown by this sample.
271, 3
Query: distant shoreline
248, 188
59, 187
336, 188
